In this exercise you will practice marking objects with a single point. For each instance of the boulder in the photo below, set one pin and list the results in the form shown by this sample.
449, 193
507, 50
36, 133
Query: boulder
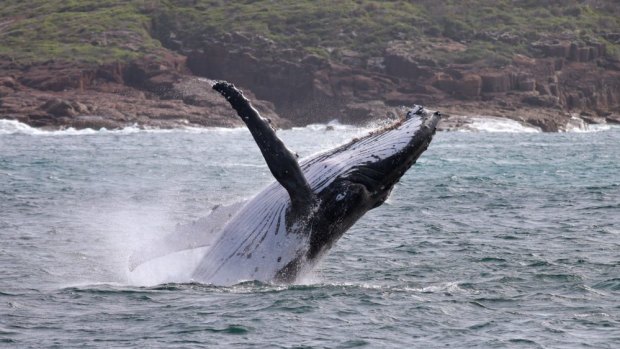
593, 119
59, 107
94, 122
546, 125
613, 118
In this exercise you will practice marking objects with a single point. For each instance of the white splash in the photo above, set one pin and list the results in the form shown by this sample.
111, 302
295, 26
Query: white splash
578, 125
8, 127
330, 126
127, 227
495, 124
14, 126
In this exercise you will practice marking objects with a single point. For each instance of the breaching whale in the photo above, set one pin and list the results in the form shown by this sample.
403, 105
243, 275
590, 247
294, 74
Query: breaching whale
287, 227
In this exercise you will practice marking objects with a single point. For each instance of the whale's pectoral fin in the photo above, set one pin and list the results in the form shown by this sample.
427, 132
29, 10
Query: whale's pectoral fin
281, 161
201, 233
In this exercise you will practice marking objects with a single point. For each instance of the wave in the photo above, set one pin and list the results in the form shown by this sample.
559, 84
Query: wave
253, 286
494, 124
9, 127
488, 124
576, 124
333, 125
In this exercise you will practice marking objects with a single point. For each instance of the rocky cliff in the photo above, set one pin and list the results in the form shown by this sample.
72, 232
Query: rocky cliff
545, 91
159, 78
153, 91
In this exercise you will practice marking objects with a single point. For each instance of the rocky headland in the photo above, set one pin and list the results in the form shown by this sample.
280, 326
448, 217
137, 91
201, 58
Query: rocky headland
558, 78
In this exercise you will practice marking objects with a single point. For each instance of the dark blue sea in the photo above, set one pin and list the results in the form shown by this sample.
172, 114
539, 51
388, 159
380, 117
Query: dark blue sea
492, 240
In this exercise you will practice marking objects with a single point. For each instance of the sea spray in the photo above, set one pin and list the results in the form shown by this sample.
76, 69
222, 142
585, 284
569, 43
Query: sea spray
497, 125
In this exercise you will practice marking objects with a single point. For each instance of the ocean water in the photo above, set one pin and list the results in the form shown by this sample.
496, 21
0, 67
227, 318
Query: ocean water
493, 240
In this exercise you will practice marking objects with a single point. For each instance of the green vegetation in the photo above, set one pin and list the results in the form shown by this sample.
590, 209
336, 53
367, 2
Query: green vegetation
106, 30
92, 31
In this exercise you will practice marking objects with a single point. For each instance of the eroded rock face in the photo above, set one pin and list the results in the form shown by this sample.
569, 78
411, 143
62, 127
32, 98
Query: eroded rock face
577, 52
568, 78
52, 76
405, 67
8, 82
464, 86
117, 95
294, 88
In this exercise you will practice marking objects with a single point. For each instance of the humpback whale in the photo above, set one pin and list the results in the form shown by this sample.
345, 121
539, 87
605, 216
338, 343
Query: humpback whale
287, 227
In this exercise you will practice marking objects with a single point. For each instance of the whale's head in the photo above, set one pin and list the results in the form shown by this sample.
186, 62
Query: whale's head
359, 176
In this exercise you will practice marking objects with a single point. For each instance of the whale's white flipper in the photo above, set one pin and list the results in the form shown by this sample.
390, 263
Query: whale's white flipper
201, 233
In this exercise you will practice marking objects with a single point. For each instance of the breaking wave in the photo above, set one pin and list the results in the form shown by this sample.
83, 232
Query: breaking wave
496, 124
16, 127
475, 124
576, 124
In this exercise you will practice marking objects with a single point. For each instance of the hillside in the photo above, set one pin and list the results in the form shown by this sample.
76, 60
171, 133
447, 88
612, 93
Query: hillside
535, 61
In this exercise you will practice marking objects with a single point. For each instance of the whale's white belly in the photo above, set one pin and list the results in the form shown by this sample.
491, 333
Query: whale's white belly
254, 244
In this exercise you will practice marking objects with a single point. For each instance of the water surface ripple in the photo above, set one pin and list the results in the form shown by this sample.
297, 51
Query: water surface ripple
492, 240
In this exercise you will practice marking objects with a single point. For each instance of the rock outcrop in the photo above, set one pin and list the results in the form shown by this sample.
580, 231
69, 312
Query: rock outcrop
294, 88
149, 92
563, 81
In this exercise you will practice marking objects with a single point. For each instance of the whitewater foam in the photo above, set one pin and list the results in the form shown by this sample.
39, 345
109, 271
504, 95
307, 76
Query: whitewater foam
330, 126
494, 124
488, 124
577, 124
16, 127
11, 127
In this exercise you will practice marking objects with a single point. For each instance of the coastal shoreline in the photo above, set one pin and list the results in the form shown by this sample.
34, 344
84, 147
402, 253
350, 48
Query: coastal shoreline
171, 90
93, 64
55, 96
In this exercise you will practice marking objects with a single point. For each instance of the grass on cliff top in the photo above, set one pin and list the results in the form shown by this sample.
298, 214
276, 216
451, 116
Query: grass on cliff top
107, 30
90, 31
366, 26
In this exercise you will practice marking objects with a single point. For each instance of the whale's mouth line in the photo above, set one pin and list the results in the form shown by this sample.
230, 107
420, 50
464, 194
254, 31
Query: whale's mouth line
371, 178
